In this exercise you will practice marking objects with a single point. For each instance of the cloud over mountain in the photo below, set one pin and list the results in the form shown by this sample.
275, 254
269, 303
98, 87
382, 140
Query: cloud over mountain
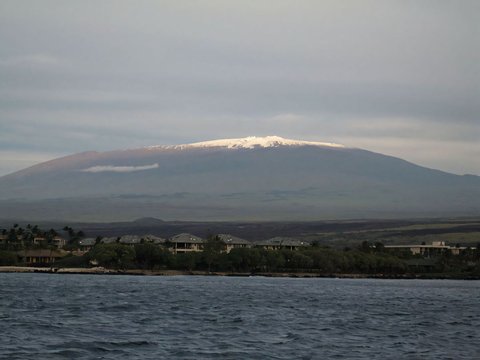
120, 169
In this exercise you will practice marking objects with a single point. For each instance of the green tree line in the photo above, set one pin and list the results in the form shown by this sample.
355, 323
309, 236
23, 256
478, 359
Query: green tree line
315, 259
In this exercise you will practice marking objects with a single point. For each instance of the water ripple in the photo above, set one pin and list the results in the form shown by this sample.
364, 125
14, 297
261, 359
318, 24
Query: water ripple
130, 317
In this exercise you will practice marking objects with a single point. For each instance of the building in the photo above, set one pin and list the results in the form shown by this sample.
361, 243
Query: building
130, 240
133, 240
436, 248
40, 256
184, 243
110, 240
87, 244
233, 242
59, 242
40, 240
457, 250
152, 239
279, 243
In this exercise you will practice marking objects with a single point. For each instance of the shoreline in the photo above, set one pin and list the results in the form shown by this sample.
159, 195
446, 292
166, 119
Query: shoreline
141, 272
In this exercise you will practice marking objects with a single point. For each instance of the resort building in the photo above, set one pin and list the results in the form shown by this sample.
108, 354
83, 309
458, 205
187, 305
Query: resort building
87, 244
183, 243
40, 240
130, 239
59, 242
110, 240
40, 256
278, 243
152, 239
436, 248
233, 242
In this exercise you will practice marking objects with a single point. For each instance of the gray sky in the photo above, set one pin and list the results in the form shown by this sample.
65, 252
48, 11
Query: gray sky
396, 77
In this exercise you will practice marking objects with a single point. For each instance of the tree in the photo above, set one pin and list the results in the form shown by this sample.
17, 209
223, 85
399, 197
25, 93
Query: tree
365, 247
12, 237
7, 258
274, 260
212, 250
379, 247
149, 256
296, 260
244, 259
117, 256
187, 261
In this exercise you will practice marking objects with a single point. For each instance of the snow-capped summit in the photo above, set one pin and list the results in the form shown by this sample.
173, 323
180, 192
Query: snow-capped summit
250, 142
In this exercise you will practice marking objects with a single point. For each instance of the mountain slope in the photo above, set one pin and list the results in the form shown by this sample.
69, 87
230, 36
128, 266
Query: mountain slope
234, 179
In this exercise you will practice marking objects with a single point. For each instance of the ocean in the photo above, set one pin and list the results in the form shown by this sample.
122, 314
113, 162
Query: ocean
53, 316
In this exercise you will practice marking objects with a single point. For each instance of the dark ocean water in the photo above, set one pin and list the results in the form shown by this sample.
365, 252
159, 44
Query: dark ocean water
45, 316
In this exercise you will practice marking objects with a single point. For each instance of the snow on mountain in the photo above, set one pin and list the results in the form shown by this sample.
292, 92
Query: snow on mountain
249, 142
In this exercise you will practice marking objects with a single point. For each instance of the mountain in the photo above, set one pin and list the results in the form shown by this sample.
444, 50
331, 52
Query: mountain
253, 178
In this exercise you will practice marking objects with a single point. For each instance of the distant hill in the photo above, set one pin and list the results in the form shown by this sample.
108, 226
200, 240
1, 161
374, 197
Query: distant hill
267, 178
148, 221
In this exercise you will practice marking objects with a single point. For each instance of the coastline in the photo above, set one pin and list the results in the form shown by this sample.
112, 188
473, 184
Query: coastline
142, 272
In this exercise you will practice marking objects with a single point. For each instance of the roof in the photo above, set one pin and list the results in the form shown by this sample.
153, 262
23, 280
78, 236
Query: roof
130, 239
186, 238
230, 239
154, 239
282, 241
87, 242
418, 246
108, 240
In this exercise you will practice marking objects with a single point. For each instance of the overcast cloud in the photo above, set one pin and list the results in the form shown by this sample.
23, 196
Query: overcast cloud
397, 77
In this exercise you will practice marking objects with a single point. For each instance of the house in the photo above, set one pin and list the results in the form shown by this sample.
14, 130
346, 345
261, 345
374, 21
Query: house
40, 240
457, 250
233, 242
130, 240
183, 243
110, 240
40, 256
154, 239
278, 243
87, 244
436, 248
59, 242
